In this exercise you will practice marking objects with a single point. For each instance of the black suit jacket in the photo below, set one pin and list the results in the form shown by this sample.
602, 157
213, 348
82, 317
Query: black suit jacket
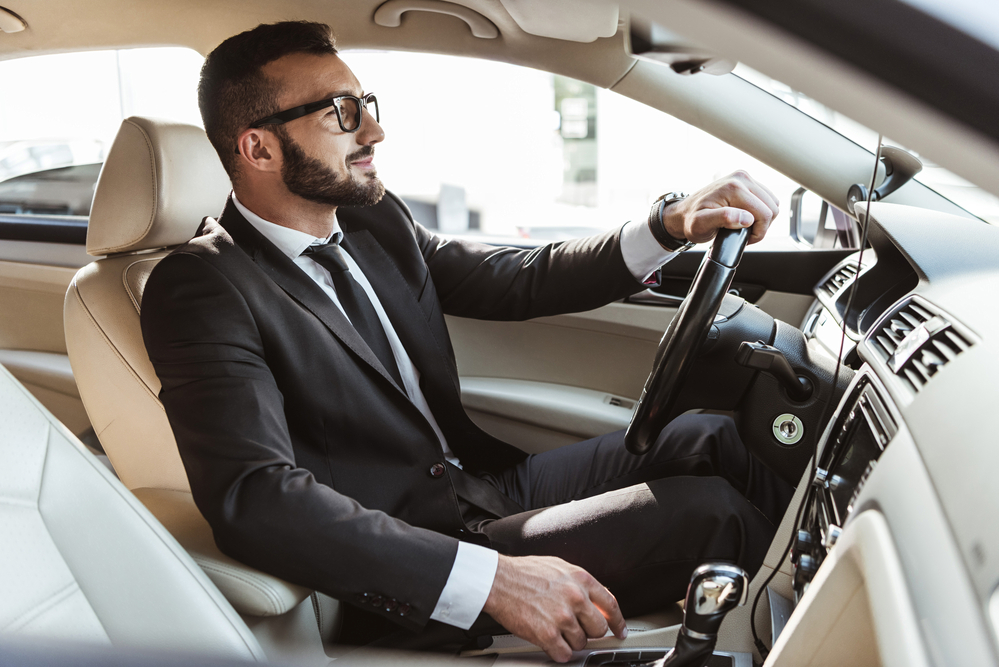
303, 455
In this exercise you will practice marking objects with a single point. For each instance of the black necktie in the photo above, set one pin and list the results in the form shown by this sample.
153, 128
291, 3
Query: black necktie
356, 304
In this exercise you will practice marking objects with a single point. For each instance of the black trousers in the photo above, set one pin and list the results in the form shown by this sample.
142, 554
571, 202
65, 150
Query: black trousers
641, 524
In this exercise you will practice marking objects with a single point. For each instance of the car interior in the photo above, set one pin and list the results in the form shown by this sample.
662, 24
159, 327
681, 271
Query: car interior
858, 361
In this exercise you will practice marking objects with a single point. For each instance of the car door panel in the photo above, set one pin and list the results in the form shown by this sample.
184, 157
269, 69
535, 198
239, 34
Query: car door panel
562, 364
546, 414
34, 277
49, 377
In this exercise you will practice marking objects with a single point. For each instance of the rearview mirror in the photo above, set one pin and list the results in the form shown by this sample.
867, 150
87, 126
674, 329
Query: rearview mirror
816, 224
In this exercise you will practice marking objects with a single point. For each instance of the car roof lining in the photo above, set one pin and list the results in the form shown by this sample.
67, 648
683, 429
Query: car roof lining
67, 25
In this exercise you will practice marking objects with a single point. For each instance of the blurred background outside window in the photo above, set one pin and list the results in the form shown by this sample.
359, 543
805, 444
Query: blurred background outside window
474, 147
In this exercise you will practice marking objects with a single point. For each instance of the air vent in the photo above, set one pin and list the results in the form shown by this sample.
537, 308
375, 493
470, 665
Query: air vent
842, 278
915, 342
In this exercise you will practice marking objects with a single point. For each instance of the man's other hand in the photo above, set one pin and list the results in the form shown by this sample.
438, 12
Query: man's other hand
552, 604
733, 202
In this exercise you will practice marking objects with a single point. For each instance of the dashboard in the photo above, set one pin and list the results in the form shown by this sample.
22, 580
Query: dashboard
897, 545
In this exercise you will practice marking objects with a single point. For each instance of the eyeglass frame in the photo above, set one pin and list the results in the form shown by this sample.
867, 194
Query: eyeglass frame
288, 115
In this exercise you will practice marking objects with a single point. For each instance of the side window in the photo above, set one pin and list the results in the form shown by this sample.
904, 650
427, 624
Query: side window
58, 120
505, 152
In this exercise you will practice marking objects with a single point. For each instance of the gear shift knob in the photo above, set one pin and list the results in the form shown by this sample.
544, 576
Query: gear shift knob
715, 589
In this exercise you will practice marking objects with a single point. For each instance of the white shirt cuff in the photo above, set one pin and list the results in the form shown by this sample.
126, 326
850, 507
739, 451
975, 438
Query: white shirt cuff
467, 586
642, 253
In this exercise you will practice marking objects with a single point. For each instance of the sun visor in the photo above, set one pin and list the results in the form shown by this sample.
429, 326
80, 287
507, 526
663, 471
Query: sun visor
571, 20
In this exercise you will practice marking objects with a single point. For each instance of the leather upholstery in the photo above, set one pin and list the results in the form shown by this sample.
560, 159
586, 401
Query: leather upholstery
250, 591
159, 181
81, 559
117, 383
168, 191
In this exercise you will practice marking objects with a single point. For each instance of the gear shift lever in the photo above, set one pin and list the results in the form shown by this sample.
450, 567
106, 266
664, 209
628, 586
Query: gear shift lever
715, 589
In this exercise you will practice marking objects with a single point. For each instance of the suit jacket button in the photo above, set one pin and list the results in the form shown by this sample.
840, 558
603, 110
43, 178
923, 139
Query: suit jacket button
391, 604
376, 600
437, 470
362, 597
404, 609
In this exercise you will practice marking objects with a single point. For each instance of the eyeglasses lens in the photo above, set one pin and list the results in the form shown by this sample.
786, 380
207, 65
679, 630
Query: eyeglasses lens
371, 104
350, 113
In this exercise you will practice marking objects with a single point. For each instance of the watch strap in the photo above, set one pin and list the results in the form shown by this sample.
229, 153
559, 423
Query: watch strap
658, 227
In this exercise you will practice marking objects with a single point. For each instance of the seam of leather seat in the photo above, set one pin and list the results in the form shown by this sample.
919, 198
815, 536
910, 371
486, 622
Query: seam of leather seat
43, 606
18, 503
152, 213
223, 569
117, 354
154, 526
128, 288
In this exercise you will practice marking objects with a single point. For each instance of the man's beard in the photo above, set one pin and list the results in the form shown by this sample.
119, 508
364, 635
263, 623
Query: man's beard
311, 179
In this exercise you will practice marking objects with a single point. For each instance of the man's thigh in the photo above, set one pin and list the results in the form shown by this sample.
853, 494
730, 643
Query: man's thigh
643, 541
695, 445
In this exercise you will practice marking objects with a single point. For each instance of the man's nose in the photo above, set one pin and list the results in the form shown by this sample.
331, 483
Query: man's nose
370, 132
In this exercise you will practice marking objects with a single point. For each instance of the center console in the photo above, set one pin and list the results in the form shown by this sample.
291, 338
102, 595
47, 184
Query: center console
859, 434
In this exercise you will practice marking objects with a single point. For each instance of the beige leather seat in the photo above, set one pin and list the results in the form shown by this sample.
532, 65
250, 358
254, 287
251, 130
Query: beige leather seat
81, 559
159, 181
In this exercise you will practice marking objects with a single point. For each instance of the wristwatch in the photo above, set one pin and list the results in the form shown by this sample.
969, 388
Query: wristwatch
658, 228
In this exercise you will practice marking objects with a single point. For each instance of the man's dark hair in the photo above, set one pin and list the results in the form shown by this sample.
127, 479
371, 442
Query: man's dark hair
233, 91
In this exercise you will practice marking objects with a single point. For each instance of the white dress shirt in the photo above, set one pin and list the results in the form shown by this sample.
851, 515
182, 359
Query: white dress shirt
471, 578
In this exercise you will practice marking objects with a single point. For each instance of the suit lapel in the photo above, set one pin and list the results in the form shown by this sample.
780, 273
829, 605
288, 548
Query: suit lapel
298, 285
408, 319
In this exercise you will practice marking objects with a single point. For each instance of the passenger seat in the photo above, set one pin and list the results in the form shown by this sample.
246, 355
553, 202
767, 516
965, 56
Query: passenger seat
81, 559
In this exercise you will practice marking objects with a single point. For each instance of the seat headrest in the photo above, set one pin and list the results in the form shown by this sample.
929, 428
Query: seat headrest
159, 180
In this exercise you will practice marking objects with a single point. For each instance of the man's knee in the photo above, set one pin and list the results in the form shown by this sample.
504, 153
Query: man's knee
705, 441
697, 427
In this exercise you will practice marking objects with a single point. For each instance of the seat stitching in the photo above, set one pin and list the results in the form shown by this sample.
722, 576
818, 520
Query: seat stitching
128, 288
121, 359
17, 502
156, 197
43, 606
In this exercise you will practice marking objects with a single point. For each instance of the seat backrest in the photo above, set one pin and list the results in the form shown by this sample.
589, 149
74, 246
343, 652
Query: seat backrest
82, 559
158, 182
160, 179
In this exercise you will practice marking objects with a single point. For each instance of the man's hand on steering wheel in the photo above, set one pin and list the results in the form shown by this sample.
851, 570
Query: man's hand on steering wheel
733, 202
553, 604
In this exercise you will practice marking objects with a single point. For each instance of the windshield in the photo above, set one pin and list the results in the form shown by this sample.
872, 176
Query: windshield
967, 195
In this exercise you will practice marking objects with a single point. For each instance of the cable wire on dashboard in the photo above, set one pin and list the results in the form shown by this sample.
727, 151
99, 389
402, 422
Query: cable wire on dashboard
813, 464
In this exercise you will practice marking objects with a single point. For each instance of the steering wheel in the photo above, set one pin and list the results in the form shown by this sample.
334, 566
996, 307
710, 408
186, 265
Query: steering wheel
683, 339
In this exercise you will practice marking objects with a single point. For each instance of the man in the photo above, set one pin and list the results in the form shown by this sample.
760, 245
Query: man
311, 385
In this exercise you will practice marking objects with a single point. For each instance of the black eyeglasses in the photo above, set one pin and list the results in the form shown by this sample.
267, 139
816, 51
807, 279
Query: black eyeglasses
349, 110
347, 107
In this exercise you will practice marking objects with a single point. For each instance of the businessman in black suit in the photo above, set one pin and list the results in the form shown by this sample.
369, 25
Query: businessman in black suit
309, 378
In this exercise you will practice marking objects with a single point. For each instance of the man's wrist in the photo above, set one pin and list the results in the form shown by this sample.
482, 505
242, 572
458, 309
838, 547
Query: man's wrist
468, 586
657, 223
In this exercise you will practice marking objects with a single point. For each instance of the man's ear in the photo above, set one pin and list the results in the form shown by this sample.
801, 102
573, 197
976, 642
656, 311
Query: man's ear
259, 150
